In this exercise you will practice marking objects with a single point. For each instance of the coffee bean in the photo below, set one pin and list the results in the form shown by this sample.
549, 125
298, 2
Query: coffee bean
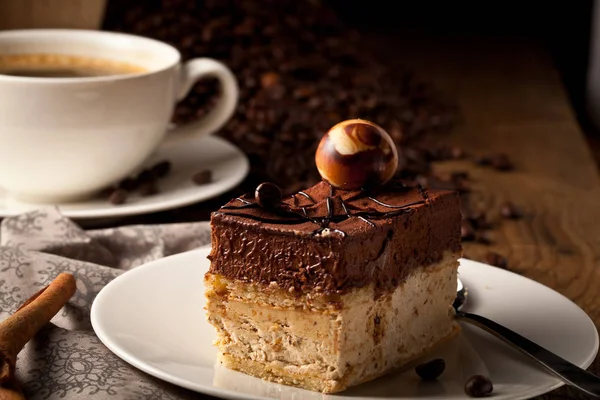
501, 162
269, 79
483, 236
161, 169
510, 211
314, 102
458, 153
118, 196
496, 260
128, 184
147, 175
431, 370
303, 92
482, 160
479, 220
268, 195
467, 233
148, 188
478, 386
202, 177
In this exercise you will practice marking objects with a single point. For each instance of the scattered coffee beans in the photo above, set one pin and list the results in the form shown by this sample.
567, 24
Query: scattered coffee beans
496, 259
202, 177
118, 196
268, 195
478, 386
431, 370
144, 183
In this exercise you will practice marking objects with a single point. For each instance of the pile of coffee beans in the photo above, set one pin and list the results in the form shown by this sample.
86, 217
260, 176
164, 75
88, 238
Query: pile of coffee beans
300, 71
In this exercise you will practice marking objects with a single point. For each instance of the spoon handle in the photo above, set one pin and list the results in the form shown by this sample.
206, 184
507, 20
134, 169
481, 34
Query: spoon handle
564, 370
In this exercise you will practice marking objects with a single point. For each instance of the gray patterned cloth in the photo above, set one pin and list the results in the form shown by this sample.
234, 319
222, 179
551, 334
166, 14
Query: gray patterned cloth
66, 360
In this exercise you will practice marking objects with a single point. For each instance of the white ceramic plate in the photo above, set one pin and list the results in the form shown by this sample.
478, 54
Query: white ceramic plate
228, 164
153, 318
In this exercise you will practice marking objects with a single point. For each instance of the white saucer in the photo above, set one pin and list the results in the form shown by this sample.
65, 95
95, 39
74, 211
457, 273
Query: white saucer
168, 337
229, 166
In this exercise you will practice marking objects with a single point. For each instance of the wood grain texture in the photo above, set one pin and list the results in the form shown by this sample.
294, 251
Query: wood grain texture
512, 101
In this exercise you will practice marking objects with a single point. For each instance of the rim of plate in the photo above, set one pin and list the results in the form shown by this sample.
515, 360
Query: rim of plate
586, 363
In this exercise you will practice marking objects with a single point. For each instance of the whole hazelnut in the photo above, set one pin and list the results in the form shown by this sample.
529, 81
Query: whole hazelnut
356, 154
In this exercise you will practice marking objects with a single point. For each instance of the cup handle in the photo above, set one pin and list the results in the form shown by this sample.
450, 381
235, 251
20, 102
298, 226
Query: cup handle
193, 71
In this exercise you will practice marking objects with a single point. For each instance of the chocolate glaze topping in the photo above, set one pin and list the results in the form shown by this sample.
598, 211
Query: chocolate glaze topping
290, 213
330, 240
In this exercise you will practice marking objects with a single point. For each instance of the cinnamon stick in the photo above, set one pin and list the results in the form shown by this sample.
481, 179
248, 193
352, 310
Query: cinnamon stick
20, 327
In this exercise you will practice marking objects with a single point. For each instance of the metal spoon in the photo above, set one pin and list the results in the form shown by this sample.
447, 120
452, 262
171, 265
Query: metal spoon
561, 368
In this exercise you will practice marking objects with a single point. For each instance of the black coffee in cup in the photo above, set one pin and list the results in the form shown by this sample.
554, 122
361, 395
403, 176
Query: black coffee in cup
63, 66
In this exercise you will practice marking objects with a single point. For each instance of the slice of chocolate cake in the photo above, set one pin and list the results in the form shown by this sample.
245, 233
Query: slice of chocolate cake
333, 287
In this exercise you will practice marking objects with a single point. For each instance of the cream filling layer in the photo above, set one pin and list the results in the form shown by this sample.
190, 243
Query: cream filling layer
363, 335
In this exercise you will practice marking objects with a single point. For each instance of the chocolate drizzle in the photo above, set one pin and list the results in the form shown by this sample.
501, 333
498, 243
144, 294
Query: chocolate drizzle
292, 215
365, 220
396, 206
301, 193
245, 204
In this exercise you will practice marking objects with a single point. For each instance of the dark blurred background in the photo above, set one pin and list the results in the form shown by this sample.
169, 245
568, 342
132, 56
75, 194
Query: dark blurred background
298, 40
563, 28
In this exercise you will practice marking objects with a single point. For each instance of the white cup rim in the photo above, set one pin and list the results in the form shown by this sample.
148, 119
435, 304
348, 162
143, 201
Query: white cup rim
24, 33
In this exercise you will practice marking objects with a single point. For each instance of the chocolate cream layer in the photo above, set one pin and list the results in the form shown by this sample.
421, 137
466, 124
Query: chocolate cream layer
330, 241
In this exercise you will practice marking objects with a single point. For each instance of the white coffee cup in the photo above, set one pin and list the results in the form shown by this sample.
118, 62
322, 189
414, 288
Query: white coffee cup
64, 139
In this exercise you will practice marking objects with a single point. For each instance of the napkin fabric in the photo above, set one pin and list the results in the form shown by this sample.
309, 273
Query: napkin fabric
66, 360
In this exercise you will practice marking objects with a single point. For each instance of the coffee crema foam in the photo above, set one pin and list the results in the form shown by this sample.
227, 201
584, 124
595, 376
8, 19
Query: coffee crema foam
63, 66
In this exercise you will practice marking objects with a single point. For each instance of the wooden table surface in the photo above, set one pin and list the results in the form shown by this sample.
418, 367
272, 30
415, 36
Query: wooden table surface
512, 100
